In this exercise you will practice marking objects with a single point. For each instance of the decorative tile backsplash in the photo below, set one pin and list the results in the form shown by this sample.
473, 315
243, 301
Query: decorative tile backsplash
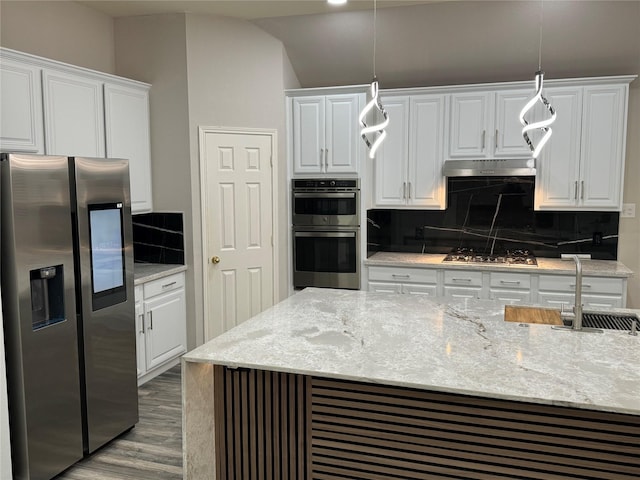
493, 213
158, 238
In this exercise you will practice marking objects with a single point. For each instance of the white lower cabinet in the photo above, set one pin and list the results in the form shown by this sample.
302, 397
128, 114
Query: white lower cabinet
161, 325
504, 287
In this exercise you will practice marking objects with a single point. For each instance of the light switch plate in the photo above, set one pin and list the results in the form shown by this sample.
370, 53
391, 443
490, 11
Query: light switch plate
628, 210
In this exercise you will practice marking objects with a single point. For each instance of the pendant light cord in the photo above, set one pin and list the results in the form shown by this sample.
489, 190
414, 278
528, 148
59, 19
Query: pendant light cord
540, 45
374, 38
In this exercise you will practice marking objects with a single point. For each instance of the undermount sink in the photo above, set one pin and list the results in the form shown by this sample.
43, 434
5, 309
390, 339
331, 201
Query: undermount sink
606, 321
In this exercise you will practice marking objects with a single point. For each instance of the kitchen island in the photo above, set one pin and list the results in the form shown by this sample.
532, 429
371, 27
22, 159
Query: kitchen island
332, 383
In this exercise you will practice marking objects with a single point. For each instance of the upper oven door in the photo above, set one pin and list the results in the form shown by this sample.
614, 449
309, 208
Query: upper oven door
326, 208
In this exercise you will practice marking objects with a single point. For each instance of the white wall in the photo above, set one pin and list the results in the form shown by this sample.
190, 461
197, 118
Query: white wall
65, 31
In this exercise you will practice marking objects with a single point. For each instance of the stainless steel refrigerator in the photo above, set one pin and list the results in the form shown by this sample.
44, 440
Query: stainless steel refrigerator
68, 306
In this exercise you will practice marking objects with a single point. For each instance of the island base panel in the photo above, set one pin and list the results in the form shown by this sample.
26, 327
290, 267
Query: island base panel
287, 426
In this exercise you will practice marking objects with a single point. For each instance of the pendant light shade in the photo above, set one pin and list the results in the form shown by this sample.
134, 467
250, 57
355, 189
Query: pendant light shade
543, 125
373, 135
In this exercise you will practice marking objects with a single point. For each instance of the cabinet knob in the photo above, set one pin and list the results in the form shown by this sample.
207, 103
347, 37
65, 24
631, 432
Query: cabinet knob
215, 259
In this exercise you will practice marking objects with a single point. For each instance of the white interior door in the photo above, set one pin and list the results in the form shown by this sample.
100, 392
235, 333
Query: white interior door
238, 218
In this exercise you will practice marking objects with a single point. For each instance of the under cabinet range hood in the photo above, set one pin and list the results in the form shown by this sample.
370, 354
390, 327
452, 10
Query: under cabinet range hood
489, 167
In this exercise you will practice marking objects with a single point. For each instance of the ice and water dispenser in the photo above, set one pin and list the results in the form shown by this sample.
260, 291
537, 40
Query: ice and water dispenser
47, 296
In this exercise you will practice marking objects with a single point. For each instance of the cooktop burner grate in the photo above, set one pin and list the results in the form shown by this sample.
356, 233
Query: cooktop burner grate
509, 257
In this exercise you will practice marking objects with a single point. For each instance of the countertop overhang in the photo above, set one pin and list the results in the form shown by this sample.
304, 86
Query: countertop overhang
457, 346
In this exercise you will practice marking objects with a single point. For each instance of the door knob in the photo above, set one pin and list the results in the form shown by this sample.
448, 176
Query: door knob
215, 259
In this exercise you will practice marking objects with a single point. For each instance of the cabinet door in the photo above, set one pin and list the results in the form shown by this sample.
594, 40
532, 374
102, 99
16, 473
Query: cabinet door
602, 147
381, 287
308, 134
425, 183
73, 115
470, 118
508, 138
342, 133
166, 336
21, 127
127, 136
392, 156
140, 337
557, 167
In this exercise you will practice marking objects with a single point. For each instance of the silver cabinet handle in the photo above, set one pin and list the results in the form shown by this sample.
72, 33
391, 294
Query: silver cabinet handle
141, 317
496, 146
326, 159
461, 280
575, 192
321, 158
510, 282
584, 285
484, 134
167, 285
394, 275
409, 191
404, 190
582, 190
150, 319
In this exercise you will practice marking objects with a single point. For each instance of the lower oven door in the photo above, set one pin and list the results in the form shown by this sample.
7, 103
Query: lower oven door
326, 258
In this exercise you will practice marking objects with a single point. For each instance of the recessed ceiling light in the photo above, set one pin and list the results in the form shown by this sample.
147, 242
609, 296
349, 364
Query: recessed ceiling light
337, 2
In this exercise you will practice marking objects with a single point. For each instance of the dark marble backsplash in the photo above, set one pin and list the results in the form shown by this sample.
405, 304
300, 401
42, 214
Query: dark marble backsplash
493, 214
158, 238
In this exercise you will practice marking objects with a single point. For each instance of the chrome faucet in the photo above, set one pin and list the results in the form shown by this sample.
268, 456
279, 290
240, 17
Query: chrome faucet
577, 303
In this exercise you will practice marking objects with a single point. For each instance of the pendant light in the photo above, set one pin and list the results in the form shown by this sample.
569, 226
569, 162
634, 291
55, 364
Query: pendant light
543, 125
377, 130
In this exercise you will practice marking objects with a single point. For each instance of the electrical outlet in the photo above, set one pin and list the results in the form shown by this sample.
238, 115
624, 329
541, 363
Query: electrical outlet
628, 210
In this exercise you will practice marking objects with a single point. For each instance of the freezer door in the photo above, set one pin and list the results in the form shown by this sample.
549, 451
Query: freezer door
40, 316
105, 259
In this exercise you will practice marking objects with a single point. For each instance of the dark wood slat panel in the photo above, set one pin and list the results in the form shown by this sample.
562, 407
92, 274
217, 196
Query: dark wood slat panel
442, 406
490, 446
266, 423
549, 463
411, 434
480, 402
221, 416
532, 424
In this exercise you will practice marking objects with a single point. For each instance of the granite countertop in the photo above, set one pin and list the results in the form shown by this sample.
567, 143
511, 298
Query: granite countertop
458, 346
145, 272
604, 268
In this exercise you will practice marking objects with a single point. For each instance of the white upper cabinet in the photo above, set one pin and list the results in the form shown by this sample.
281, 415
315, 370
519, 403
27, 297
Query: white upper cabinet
602, 146
392, 156
582, 166
73, 115
52, 108
408, 165
486, 124
21, 124
325, 133
127, 136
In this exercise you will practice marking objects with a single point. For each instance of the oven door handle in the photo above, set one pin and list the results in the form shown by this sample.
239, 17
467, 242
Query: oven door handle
325, 234
324, 195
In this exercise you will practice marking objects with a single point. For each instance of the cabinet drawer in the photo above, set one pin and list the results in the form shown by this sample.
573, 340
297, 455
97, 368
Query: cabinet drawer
462, 292
510, 280
162, 285
381, 287
138, 293
561, 283
509, 296
463, 278
414, 275
588, 301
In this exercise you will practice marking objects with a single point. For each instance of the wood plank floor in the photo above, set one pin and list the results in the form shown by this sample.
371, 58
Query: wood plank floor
152, 449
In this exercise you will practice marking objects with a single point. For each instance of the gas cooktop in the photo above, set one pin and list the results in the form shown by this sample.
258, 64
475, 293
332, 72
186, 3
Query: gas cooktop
509, 257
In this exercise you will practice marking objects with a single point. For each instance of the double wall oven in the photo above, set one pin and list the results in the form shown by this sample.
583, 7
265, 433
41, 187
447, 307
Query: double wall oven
326, 233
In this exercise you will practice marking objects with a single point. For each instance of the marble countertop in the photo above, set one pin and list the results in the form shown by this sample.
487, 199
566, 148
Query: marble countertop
603, 268
458, 346
145, 272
